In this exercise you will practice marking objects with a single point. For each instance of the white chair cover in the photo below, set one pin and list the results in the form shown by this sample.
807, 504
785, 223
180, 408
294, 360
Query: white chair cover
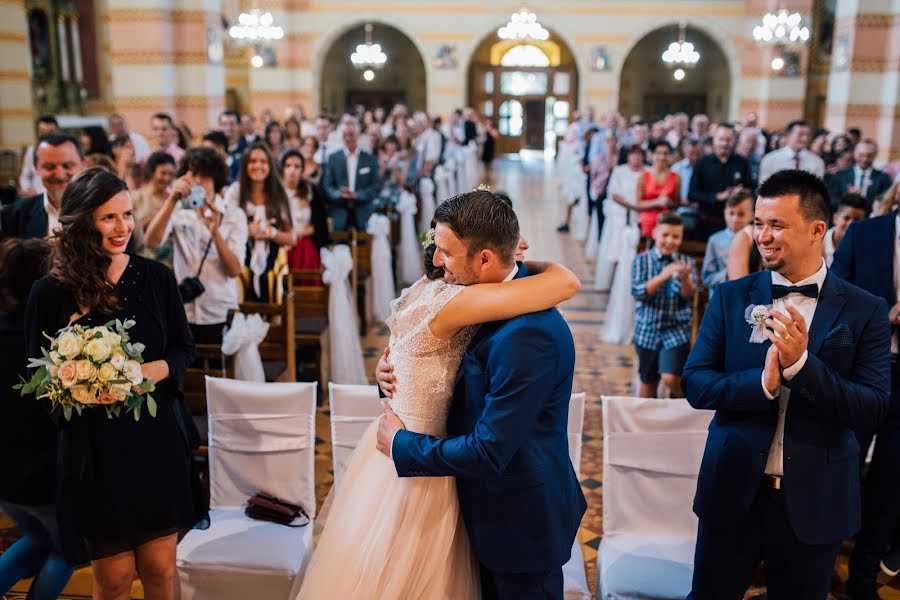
353, 408
242, 340
379, 227
593, 238
452, 166
426, 194
618, 325
409, 262
346, 359
470, 165
580, 223
441, 185
575, 585
651, 456
261, 440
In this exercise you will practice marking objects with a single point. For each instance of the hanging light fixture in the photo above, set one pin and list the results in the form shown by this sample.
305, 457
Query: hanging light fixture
681, 54
368, 56
256, 27
523, 25
781, 29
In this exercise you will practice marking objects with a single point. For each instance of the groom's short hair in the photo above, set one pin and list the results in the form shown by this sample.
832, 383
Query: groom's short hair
482, 219
812, 191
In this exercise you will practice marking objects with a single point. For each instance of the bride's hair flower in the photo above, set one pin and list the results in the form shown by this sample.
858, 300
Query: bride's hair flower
427, 237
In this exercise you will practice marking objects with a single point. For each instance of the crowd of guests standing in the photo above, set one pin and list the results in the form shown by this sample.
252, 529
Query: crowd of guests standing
172, 232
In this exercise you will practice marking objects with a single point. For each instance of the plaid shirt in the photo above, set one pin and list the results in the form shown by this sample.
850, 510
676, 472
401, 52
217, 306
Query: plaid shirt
662, 320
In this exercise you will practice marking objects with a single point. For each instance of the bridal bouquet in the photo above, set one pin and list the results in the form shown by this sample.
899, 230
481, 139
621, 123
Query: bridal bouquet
92, 366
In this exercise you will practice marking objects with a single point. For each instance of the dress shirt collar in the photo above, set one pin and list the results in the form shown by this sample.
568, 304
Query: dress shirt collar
512, 273
817, 278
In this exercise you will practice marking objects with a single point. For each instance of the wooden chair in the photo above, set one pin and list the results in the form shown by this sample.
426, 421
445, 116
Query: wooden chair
209, 360
277, 350
698, 309
311, 322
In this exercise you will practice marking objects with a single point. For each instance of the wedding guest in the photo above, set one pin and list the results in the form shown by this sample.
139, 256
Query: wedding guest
125, 487
118, 127
868, 257
292, 133
127, 168
743, 255
489, 149
691, 151
738, 214
274, 138
663, 283
94, 140
747, 143
851, 208
395, 172
57, 159
310, 214
324, 127
229, 124
28, 444
861, 179
716, 177
779, 481
216, 140
165, 135
351, 182
888, 202
839, 145
700, 128
270, 231
248, 128
794, 155
659, 188
312, 170
640, 136
209, 242
29, 180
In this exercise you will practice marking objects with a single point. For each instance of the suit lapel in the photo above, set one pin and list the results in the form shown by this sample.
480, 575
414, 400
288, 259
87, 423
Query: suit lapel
760, 294
39, 221
831, 301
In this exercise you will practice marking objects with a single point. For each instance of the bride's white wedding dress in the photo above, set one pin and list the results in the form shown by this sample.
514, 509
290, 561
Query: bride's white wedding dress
388, 537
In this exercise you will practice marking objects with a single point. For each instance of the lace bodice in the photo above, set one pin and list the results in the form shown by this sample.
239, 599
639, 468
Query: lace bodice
424, 365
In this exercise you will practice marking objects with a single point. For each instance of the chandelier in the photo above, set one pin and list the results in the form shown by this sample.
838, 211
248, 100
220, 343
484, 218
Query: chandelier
681, 53
782, 28
368, 56
256, 27
523, 24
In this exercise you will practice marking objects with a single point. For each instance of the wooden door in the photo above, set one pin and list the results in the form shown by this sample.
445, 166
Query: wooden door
534, 124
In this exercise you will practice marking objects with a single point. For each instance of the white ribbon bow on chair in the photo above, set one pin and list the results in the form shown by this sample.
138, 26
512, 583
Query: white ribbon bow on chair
242, 339
379, 227
409, 262
346, 352
426, 193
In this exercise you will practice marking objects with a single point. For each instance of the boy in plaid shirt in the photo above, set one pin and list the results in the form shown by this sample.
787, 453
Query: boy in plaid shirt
663, 283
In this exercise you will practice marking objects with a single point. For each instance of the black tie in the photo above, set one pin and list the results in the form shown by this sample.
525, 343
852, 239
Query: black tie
780, 291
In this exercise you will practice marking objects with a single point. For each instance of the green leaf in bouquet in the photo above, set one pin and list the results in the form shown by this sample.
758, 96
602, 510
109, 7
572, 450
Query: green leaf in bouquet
137, 413
151, 406
78, 408
129, 323
138, 347
67, 412
147, 386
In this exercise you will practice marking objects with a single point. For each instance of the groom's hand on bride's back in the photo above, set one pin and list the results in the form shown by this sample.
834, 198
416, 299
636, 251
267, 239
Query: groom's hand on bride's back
384, 374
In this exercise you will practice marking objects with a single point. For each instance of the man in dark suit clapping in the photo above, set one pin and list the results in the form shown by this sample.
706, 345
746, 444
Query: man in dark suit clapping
861, 178
351, 182
793, 360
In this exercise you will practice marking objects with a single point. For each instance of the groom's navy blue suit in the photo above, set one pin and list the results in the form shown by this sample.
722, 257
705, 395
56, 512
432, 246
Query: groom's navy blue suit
843, 386
508, 449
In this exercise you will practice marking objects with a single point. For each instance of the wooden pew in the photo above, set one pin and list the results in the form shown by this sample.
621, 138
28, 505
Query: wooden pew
310, 298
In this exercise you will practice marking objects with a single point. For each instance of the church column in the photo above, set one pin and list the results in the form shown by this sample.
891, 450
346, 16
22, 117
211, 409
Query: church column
775, 96
160, 61
16, 112
864, 85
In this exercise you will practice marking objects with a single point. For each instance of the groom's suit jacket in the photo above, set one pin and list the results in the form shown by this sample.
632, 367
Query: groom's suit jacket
844, 385
507, 444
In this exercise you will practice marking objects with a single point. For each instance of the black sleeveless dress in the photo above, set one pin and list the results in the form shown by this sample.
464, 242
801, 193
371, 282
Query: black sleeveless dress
120, 482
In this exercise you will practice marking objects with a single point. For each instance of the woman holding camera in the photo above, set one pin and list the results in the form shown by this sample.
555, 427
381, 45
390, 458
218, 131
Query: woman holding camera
125, 487
210, 240
263, 199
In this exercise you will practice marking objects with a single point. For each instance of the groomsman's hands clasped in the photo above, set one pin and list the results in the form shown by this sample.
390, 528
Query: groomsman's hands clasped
790, 337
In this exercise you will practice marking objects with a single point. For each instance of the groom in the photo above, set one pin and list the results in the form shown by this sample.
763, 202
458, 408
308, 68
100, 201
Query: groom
779, 479
507, 443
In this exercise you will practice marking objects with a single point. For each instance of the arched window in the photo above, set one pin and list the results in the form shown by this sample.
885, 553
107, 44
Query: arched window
525, 55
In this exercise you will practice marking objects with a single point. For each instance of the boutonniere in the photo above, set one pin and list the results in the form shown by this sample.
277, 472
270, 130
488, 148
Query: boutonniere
756, 316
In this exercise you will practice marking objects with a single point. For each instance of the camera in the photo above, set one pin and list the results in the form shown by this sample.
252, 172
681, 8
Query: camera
196, 199
190, 288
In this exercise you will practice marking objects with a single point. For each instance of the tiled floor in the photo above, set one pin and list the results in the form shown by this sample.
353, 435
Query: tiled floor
600, 368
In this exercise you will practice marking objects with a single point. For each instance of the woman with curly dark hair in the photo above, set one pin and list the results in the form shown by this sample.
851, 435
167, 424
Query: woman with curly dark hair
125, 487
270, 222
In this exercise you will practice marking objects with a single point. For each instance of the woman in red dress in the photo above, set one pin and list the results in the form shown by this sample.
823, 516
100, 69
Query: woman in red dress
308, 208
660, 184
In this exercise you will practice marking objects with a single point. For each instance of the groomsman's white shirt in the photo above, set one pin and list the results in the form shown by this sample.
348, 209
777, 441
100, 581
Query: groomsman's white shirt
807, 307
352, 162
783, 160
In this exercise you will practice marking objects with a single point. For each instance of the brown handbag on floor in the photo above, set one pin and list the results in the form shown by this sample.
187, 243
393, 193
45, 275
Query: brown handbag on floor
267, 508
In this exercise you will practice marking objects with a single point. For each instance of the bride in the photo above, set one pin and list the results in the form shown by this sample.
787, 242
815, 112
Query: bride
389, 537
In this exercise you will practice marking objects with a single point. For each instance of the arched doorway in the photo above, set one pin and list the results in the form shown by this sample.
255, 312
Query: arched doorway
528, 88
647, 86
401, 79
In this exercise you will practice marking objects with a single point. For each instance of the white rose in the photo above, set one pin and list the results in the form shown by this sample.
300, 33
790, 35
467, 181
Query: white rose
98, 350
68, 345
133, 372
118, 359
56, 358
84, 370
112, 338
53, 371
67, 373
107, 372
83, 395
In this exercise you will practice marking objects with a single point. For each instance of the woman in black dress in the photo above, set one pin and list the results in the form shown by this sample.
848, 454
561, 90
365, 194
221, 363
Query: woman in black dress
124, 487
